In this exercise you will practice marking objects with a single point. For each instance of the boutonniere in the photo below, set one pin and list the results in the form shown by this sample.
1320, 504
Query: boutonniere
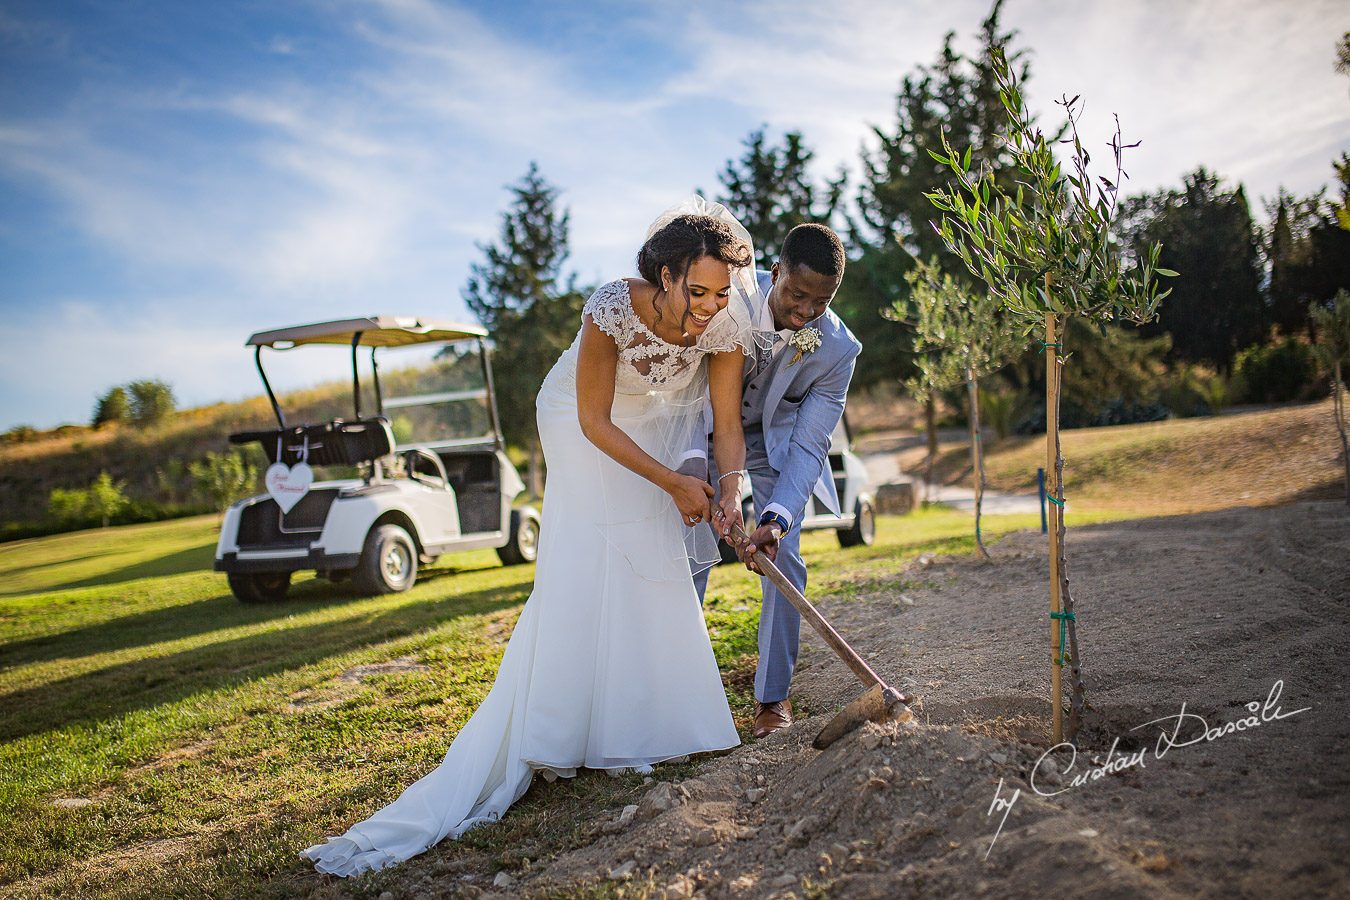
806, 341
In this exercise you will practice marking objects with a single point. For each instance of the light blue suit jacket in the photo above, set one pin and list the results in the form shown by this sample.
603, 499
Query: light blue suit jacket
802, 404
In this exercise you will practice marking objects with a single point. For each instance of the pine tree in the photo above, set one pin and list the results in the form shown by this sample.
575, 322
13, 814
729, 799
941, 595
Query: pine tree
112, 407
1340, 209
519, 295
1216, 307
893, 225
1308, 251
769, 191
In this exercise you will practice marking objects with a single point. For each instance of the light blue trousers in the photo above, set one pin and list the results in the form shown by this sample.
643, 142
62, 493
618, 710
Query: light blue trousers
779, 621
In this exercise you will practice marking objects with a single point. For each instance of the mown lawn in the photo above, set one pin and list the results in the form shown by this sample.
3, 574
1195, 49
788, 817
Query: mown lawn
159, 739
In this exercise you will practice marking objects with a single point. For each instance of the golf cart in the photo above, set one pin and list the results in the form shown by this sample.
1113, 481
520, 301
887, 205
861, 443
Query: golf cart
428, 471
856, 525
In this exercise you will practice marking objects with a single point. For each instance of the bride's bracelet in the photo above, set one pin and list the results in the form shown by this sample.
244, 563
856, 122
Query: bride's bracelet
740, 472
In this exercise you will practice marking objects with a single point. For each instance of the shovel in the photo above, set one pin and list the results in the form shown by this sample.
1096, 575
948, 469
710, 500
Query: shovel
879, 703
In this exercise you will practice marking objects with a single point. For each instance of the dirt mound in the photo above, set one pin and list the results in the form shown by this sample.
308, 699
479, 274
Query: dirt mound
889, 811
1216, 648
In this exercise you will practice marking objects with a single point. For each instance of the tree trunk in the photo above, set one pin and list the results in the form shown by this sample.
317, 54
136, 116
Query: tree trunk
930, 423
1055, 498
1338, 407
1064, 628
976, 454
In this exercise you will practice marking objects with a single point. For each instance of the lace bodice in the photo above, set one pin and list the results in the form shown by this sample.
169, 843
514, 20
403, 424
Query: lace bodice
646, 363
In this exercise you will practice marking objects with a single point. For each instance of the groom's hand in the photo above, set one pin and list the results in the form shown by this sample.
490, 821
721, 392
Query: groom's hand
764, 538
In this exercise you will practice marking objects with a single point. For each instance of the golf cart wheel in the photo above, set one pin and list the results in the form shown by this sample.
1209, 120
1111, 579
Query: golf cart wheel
388, 562
259, 587
523, 547
728, 552
864, 530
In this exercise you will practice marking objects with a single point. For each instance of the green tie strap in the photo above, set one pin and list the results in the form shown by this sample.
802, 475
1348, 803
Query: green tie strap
1063, 617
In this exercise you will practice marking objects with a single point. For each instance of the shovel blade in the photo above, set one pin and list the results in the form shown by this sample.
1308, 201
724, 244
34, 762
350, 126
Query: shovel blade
879, 704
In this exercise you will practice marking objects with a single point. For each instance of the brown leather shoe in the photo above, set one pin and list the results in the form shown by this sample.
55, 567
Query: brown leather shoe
770, 717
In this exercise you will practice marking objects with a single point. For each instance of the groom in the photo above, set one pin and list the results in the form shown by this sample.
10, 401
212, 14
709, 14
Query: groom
793, 397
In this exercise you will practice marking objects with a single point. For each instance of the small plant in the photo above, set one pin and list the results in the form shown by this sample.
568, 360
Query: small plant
1215, 390
107, 497
100, 502
1332, 326
1001, 410
222, 478
960, 338
1048, 255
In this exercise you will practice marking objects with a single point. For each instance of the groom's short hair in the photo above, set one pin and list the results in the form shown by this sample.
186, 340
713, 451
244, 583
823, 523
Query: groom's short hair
815, 246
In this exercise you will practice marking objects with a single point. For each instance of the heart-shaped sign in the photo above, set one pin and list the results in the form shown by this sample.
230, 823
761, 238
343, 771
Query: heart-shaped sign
288, 484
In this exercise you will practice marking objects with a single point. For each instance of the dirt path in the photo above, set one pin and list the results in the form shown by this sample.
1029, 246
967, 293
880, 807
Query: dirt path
1212, 611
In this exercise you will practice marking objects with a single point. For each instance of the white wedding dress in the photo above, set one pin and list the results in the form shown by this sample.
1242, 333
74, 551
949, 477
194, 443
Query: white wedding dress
609, 665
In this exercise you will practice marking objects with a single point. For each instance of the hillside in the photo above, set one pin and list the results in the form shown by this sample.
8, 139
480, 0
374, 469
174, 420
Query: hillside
153, 462
1284, 455
1265, 457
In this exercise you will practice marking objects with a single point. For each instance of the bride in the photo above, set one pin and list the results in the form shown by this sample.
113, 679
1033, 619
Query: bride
609, 666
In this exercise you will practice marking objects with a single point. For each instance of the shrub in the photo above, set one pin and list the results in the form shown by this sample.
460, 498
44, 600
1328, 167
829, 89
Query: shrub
1197, 390
1111, 412
1277, 372
1002, 409
68, 505
151, 402
222, 478
20, 434
112, 407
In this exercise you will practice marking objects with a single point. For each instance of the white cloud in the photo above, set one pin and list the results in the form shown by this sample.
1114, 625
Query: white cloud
1242, 86
253, 205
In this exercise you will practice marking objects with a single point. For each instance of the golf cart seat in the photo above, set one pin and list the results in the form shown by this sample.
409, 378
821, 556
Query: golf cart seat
335, 443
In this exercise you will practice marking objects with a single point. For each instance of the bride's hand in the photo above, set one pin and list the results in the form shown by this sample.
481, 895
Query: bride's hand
692, 496
728, 513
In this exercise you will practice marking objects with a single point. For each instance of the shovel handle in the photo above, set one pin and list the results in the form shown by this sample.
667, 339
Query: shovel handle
797, 599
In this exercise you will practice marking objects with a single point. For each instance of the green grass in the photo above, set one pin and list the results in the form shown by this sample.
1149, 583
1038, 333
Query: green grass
107, 556
217, 740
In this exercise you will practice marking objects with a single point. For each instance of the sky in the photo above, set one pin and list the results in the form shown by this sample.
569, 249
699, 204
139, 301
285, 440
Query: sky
176, 176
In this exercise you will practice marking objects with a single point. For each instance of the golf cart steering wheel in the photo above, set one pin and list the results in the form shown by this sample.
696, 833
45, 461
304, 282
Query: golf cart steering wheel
412, 457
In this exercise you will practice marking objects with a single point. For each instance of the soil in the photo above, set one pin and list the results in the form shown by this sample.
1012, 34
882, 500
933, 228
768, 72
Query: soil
1237, 617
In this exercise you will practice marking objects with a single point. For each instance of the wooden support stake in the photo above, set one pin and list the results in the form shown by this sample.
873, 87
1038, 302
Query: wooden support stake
976, 455
1055, 512
1338, 408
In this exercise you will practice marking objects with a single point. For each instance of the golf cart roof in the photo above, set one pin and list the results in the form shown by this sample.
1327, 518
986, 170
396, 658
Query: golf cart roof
376, 331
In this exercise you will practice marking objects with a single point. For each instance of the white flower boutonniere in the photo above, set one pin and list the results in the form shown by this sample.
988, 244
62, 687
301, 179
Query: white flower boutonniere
806, 341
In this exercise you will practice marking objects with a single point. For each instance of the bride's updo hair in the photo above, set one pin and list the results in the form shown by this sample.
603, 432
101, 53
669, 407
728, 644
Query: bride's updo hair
685, 240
